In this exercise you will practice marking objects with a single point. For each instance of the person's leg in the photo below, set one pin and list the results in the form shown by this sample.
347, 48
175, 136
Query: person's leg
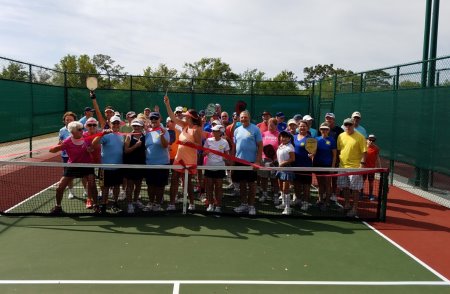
129, 189
251, 194
243, 191
209, 189
174, 181
137, 189
159, 193
63, 183
91, 188
218, 192
327, 190
190, 189
151, 192
264, 184
322, 188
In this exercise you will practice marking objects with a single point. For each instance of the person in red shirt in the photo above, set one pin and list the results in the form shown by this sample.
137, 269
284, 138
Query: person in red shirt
264, 125
372, 161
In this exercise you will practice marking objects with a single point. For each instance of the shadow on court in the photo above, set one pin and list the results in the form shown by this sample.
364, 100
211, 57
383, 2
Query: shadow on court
182, 226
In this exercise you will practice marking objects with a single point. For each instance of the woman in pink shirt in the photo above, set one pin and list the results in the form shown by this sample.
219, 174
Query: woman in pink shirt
77, 150
269, 137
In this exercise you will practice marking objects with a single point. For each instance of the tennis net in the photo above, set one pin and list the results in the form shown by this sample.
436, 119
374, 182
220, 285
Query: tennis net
30, 188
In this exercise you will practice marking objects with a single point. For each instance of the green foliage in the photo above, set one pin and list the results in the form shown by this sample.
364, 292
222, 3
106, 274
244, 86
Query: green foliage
320, 72
409, 84
15, 71
377, 80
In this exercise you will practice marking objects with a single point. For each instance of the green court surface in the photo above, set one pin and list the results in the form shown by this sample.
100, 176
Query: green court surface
183, 253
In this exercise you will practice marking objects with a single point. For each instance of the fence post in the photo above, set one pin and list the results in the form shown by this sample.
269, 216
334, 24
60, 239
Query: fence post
66, 94
361, 85
131, 93
193, 94
30, 80
252, 99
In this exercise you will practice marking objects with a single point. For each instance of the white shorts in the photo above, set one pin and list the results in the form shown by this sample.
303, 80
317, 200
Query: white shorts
354, 182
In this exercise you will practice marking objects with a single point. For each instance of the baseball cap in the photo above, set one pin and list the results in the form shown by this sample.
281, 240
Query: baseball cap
109, 109
90, 121
292, 121
265, 112
131, 114
216, 122
218, 127
298, 117
279, 114
88, 109
146, 109
168, 119
372, 136
348, 121
307, 117
356, 114
114, 119
137, 122
179, 109
154, 114
330, 114
324, 125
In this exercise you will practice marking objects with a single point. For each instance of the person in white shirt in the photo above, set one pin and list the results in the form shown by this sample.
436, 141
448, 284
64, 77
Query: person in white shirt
214, 178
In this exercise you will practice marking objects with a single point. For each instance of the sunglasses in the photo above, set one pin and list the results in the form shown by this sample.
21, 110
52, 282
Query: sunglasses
116, 123
178, 112
154, 118
80, 130
348, 125
90, 125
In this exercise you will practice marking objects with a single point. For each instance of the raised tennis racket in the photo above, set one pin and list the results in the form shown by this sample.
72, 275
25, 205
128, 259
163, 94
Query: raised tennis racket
92, 83
210, 109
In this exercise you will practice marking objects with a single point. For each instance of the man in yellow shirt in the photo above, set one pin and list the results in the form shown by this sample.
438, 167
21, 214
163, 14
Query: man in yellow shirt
352, 150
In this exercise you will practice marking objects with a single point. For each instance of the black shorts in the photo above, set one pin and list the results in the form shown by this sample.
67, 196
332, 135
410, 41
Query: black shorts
134, 173
157, 177
303, 177
78, 172
215, 174
110, 178
243, 175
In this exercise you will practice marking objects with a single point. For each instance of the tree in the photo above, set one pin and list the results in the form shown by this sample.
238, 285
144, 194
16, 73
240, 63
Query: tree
114, 72
250, 78
321, 72
283, 83
211, 74
15, 71
159, 79
377, 80
77, 69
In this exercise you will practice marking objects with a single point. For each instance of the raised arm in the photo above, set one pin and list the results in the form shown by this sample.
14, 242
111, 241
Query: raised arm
172, 116
101, 120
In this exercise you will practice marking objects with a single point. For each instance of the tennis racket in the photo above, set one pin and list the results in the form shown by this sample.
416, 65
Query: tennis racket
210, 109
311, 145
92, 83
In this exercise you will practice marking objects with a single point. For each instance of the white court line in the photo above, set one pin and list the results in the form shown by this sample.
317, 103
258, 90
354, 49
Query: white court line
409, 254
177, 283
29, 198
176, 288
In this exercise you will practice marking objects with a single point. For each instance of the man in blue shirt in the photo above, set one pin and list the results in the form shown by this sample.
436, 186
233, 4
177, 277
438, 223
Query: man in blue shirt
281, 126
248, 146
88, 113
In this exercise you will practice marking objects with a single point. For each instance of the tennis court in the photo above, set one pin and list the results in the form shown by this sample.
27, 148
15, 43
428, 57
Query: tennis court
203, 254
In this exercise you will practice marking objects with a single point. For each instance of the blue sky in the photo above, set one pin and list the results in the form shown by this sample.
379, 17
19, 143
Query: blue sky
268, 35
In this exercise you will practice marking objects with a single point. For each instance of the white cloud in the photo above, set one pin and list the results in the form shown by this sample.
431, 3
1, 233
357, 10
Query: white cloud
267, 35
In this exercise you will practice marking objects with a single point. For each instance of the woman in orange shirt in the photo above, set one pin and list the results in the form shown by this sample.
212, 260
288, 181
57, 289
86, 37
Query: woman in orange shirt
186, 156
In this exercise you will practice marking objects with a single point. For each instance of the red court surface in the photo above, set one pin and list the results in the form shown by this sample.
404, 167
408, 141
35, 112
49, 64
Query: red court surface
420, 226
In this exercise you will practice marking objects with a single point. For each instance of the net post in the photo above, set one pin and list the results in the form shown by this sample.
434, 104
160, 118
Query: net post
30, 80
391, 171
384, 187
185, 190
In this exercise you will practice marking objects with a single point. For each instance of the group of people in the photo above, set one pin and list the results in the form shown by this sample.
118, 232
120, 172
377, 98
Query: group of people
191, 138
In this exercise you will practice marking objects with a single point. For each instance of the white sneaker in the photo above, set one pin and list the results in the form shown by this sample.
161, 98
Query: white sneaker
286, 211
85, 194
251, 210
333, 197
157, 207
130, 208
71, 195
122, 195
305, 206
210, 208
148, 207
191, 207
218, 209
262, 198
171, 207
276, 200
241, 208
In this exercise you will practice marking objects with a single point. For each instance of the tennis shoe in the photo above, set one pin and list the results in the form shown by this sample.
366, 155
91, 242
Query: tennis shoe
130, 208
157, 208
241, 208
139, 204
171, 207
71, 195
148, 207
122, 195
88, 204
251, 210
218, 209
115, 207
210, 208
286, 211
56, 210
191, 207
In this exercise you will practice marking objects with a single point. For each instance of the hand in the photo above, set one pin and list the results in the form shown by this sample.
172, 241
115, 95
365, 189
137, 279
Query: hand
163, 131
92, 95
166, 100
138, 143
106, 131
